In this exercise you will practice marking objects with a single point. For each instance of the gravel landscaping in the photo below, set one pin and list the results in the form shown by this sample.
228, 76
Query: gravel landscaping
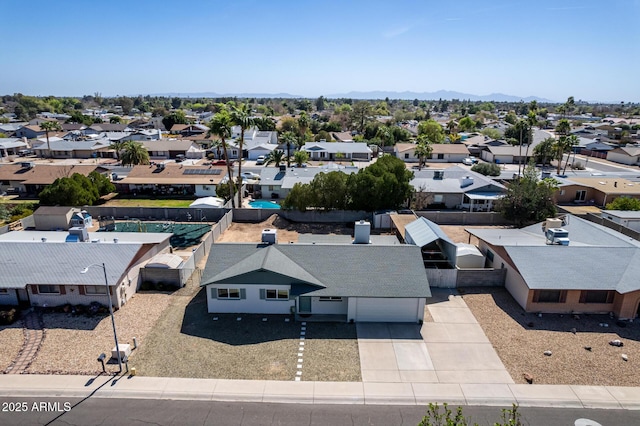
521, 339
188, 342
12, 338
72, 343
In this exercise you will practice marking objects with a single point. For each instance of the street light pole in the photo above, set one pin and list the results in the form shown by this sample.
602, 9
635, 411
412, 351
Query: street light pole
113, 321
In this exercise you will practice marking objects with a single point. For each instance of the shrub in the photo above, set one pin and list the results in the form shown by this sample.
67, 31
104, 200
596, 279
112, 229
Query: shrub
8, 316
487, 169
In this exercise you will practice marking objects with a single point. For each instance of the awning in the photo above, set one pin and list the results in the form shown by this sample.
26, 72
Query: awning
484, 195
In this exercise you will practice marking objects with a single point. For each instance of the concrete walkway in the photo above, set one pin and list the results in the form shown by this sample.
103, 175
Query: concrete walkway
33, 336
28, 385
451, 349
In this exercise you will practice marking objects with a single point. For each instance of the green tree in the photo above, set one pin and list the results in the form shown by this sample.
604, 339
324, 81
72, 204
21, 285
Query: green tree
467, 124
289, 139
320, 103
423, 150
176, 103
432, 129
220, 125
624, 203
50, 126
511, 118
487, 169
361, 115
115, 120
528, 199
176, 117
385, 134
79, 118
300, 157
323, 135
102, 183
276, 156
545, 151
382, 185
117, 147
134, 153
563, 127
77, 190
491, 133
241, 116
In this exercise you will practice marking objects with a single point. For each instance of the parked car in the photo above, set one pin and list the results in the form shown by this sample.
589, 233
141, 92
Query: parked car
250, 175
180, 158
469, 161
24, 152
221, 163
260, 160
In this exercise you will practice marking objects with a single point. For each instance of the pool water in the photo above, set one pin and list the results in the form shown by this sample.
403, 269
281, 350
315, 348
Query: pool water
264, 204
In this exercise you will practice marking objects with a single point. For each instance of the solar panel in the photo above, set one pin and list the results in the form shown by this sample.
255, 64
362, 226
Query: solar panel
202, 172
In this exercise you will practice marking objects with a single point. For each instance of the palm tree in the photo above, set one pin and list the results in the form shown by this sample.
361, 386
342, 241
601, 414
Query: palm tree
241, 116
452, 126
290, 139
532, 119
275, 156
303, 124
117, 146
422, 150
50, 126
570, 143
300, 157
385, 133
134, 153
220, 125
217, 144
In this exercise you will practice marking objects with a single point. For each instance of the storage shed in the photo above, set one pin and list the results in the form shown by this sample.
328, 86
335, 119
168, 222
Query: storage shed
468, 256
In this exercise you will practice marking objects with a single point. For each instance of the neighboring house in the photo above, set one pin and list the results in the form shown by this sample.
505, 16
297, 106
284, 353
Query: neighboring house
329, 151
45, 274
448, 153
142, 135
277, 182
30, 178
506, 154
627, 218
172, 178
185, 130
625, 155
455, 188
597, 272
342, 136
10, 129
52, 218
74, 149
253, 138
105, 127
594, 190
171, 148
256, 151
11, 146
31, 131
73, 127
596, 149
405, 152
348, 282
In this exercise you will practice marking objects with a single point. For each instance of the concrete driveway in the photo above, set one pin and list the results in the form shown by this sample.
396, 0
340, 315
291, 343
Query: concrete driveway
450, 349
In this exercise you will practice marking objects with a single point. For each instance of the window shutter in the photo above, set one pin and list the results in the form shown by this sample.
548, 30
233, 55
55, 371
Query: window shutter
214, 293
536, 296
63, 289
81, 290
263, 293
583, 296
243, 293
610, 296
34, 289
563, 296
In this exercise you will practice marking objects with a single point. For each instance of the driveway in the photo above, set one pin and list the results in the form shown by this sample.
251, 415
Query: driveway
450, 349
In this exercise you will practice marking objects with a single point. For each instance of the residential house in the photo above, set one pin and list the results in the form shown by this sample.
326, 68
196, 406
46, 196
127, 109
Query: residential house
256, 143
594, 270
106, 127
172, 148
44, 273
455, 188
597, 149
627, 218
11, 146
347, 282
172, 178
334, 151
342, 136
625, 155
10, 129
448, 153
185, 130
31, 131
61, 148
406, 152
277, 182
52, 218
596, 190
506, 154
29, 178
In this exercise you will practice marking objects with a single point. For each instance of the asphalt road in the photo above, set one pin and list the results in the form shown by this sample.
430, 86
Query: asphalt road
103, 411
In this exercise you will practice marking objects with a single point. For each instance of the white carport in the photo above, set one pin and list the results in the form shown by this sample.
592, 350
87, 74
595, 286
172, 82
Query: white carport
207, 203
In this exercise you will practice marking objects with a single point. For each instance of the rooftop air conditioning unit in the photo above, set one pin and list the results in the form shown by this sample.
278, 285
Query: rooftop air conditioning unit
269, 236
557, 236
27, 165
438, 174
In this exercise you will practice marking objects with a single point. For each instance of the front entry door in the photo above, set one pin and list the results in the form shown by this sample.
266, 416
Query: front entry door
304, 305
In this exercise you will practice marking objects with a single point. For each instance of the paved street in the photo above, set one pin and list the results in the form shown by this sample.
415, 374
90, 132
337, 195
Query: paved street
106, 412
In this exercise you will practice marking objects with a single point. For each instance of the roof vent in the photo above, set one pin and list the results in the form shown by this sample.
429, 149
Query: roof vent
269, 236
27, 165
283, 168
438, 174
43, 239
362, 232
466, 181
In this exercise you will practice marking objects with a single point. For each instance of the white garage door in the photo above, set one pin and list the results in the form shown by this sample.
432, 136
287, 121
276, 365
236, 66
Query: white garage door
387, 310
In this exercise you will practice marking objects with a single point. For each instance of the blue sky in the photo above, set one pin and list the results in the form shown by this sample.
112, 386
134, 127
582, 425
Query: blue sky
589, 49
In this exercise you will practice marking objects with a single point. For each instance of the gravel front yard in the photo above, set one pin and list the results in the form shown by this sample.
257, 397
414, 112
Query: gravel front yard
72, 343
521, 347
11, 339
187, 342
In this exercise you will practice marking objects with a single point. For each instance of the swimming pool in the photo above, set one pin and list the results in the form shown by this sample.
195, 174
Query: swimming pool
264, 204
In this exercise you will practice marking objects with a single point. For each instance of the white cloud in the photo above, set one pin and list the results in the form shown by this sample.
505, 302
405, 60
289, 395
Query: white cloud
396, 32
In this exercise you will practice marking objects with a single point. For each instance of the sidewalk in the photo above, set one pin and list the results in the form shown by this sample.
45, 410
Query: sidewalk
559, 396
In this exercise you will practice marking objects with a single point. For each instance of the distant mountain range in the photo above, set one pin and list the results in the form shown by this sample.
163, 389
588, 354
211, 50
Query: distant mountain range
440, 94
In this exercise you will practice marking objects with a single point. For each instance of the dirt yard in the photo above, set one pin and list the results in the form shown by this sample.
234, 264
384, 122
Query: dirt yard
522, 338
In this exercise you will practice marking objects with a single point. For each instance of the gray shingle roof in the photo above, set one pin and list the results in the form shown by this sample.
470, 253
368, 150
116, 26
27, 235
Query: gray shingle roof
344, 270
61, 263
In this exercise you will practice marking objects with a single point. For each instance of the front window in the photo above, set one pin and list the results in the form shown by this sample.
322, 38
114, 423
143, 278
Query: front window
440, 156
549, 296
48, 289
4, 291
581, 195
596, 296
228, 293
95, 289
406, 156
330, 299
272, 294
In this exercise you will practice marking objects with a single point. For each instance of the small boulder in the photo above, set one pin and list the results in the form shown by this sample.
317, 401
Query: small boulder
625, 357
530, 324
616, 342
588, 348
547, 353
573, 330
528, 377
